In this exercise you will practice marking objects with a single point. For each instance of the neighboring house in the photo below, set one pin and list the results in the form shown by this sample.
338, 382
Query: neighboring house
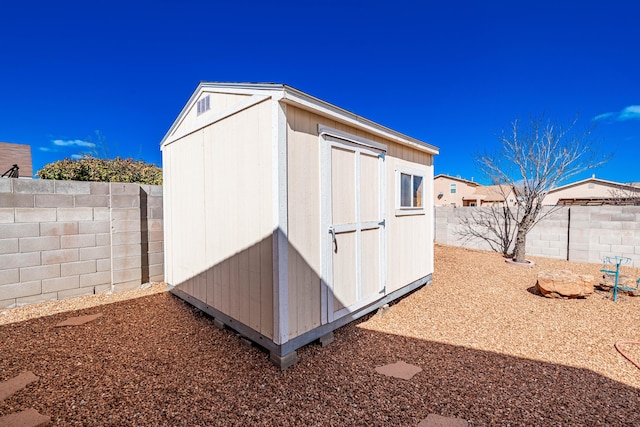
593, 191
456, 192
15, 160
452, 191
491, 195
287, 217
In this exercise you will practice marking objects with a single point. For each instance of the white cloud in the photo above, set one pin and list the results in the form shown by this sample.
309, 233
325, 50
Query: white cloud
76, 156
47, 149
632, 112
72, 142
604, 116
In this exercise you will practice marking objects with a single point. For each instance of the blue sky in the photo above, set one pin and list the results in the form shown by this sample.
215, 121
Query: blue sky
109, 77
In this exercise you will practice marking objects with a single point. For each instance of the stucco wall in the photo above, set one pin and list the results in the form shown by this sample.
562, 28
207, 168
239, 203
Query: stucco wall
18, 154
577, 233
442, 184
584, 190
60, 239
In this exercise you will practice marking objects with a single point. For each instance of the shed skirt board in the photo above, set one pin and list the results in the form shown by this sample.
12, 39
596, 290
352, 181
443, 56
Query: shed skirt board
283, 350
353, 191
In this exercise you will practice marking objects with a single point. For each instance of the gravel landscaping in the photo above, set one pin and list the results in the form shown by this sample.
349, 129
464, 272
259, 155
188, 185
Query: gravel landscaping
491, 349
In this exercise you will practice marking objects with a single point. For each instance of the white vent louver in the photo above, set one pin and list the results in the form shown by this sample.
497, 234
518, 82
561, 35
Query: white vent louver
203, 105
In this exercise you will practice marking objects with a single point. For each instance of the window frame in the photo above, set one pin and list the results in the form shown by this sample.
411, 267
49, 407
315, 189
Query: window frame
453, 188
412, 172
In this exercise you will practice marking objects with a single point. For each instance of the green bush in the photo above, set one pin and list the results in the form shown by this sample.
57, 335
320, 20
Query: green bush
103, 170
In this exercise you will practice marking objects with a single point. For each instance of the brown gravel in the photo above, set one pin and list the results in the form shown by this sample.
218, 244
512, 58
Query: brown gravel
492, 352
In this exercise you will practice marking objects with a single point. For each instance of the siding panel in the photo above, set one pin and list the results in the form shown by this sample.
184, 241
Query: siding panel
235, 215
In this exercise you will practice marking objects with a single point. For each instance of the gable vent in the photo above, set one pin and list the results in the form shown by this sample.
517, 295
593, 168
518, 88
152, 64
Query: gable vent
204, 105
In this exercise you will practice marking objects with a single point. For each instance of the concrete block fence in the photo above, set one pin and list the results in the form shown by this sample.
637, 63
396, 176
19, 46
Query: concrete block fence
576, 233
60, 239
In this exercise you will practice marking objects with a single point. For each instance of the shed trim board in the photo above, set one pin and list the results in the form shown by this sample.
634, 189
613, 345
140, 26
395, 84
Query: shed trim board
331, 132
332, 179
280, 227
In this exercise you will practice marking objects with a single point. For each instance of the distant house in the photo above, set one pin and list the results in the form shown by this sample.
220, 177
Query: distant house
491, 195
452, 191
593, 191
456, 192
15, 160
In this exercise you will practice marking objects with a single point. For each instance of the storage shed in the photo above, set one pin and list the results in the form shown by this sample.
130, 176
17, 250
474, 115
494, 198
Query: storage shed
287, 217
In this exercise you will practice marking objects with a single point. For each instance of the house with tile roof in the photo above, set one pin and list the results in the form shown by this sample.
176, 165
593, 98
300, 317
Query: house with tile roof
451, 191
491, 195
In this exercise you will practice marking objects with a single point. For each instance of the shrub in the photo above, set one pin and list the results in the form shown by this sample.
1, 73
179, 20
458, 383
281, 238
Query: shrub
90, 168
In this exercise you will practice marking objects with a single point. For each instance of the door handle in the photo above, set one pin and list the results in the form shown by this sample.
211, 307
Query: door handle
332, 231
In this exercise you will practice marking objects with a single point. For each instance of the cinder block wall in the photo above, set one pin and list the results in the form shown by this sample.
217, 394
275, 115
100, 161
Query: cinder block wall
576, 233
601, 231
60, 239
550, 237
450, 228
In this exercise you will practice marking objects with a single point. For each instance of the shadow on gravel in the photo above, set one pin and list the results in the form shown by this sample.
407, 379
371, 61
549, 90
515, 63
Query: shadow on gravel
534, 291
157, 361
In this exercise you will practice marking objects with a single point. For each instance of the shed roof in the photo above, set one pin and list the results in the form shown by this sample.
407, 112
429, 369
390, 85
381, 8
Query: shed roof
290, 95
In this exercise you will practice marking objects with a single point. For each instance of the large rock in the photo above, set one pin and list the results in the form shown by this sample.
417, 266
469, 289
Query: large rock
564, 284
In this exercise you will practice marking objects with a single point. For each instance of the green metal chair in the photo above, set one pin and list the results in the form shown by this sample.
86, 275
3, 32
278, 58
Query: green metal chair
611, 268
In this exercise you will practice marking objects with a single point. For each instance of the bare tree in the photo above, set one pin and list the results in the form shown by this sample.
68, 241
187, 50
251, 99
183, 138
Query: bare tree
533, 159
624, 195
491, 224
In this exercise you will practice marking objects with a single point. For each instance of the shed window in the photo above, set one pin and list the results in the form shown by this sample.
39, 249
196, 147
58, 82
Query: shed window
405, 190
453, 189
411, 192
204, 105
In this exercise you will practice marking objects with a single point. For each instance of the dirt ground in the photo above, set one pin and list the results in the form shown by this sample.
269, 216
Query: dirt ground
492, 351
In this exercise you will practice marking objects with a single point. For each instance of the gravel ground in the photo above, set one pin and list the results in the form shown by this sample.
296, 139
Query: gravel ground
491, 350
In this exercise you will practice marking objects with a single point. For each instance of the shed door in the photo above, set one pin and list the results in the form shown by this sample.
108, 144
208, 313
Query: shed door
354, 226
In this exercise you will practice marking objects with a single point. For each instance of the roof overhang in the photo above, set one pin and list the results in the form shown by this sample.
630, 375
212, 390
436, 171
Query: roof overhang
302, 100
291, 96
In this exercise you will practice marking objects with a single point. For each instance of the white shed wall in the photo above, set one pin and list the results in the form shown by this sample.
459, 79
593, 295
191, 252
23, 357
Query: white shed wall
219, 207
218, 103
303, 187
409, 238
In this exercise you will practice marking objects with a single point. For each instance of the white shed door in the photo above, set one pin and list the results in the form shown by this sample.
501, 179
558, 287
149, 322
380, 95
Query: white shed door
353, 240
